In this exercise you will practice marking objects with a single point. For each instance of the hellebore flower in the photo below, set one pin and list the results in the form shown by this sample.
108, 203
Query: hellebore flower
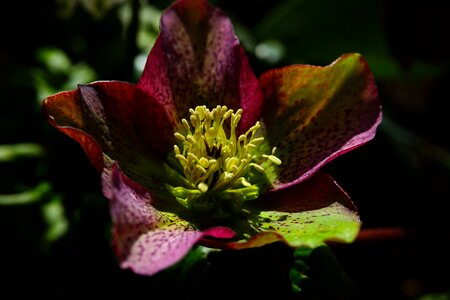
200, 151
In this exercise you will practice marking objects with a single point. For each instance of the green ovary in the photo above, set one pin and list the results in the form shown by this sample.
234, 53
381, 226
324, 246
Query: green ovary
218, 164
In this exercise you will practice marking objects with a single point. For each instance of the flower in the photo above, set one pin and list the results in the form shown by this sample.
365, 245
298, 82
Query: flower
200, 151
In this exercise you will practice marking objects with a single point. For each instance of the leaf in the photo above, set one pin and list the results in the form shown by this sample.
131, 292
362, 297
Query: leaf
16, 151
32, 195
53, 213
316, 274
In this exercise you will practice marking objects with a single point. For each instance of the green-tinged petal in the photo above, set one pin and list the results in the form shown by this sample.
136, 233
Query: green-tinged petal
306, 214
197, 60
314, 114
116, 121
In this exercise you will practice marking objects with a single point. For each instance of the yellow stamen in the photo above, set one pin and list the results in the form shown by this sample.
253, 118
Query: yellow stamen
214, 159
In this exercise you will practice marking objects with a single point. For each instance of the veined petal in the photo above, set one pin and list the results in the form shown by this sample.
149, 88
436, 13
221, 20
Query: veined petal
197, 60
147, 240
314, 114
116, 121
307, 214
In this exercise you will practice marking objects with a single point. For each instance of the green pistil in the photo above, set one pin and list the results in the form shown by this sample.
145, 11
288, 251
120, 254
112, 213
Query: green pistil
216, 161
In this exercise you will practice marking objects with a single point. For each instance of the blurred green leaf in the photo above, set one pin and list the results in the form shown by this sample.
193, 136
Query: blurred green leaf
96, 8
319, 31
54, 215
17, 151
54, 59
58, 72
316, 274
148, 30
437, 296
79, 73
271, 51
38, 193
148, 27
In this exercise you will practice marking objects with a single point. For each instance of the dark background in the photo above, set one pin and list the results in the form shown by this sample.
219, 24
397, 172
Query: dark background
54, 222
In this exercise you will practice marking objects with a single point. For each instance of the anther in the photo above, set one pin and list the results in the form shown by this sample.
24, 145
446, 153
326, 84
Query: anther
214, 158
273, 159
203, 187
185, 124
179, 136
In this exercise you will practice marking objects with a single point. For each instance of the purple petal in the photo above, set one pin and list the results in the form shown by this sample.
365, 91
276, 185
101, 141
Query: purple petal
314, 114
197, 60
147, 240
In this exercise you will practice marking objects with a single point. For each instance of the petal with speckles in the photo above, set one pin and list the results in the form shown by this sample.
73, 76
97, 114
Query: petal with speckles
314, 114
306, 214
310, 114
116, 121
147, 240
197, 60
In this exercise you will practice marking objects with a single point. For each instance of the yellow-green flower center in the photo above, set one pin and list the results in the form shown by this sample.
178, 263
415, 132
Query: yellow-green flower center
218, 164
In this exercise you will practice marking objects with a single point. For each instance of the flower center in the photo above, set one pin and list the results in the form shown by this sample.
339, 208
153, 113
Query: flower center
218, 164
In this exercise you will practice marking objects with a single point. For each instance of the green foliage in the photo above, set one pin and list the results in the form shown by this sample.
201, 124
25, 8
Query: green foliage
10, 153
35, 194
316, 274
436, 296
53, 214
58, 72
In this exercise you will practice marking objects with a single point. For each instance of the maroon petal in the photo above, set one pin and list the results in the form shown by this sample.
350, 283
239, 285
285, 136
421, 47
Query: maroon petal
147, 240
65, 114
115, 121
197, 60
314, 114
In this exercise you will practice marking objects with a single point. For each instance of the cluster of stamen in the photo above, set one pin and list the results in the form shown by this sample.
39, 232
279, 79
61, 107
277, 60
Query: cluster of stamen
213, 158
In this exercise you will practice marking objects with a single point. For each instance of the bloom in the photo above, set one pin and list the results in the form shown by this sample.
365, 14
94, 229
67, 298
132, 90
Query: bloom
200, 151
